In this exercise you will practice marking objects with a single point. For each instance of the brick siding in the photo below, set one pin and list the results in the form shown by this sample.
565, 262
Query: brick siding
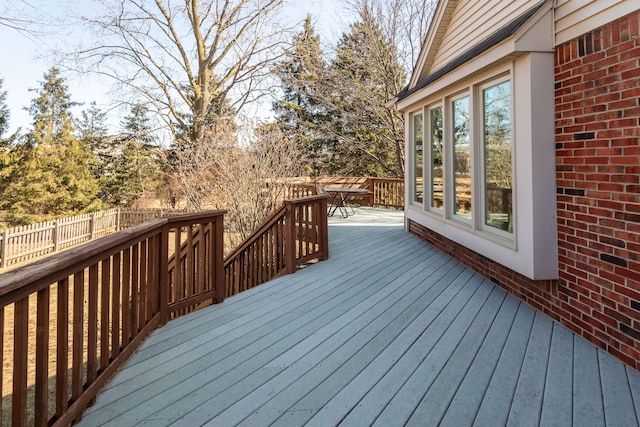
598, 185
597, 96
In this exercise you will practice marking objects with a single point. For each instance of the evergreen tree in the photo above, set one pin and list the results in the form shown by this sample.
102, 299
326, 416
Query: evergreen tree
92, 126
300, 113
4, 111
134, 169
364, 75
93, 132
49, 174
5, 143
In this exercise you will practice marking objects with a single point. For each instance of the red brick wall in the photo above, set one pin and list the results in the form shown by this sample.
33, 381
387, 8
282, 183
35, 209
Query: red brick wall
598, 184
598, 192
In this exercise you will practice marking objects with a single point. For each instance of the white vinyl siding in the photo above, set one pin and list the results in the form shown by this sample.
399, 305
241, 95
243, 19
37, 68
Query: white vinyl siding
473, 21
574, 18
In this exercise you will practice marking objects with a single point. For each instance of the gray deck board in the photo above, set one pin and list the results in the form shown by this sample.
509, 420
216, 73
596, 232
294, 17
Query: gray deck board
388, 331
466, 402
557, 406
587, 391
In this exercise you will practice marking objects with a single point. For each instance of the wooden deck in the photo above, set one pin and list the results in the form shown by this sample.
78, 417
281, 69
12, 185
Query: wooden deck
387, 332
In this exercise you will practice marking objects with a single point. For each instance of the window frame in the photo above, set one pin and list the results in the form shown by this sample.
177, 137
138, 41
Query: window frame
447, 214
428, 159
450, 168
413, 163
481, 158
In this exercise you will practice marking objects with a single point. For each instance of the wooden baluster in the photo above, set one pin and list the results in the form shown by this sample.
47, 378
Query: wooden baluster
20, 352
92, 326
115, 306
42, 359
177, 280
62, 348
290, 240
218, 270
126, 301
205, 233
189, 264
164, 274
78, 336
134, 310
104, 313
152, 276
143, 285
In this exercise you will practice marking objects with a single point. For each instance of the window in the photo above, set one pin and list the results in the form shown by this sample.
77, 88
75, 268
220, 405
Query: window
468, 158
418, 182
461, 157
498, 189
435, 158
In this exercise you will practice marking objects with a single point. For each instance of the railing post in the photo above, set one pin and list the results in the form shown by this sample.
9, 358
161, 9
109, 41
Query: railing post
324, 228
4, 245
218, 253
164, 274
370, 185
290, 239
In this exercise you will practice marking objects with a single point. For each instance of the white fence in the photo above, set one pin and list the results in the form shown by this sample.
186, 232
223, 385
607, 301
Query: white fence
22, 243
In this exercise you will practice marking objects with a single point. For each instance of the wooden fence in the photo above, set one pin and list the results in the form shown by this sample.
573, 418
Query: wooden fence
69, 321
26, 242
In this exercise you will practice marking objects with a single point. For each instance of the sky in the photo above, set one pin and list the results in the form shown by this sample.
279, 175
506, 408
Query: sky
24, 58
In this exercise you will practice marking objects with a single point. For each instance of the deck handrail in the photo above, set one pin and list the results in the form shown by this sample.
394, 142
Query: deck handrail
292, 236
78, 315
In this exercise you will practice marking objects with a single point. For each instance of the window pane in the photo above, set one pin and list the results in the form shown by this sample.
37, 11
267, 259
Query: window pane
418, 183
497, 156
436, 157
461, 157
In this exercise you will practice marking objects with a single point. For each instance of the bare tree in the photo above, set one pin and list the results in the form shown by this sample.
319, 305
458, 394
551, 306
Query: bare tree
404, 22
193, 60
243, 177
28, 19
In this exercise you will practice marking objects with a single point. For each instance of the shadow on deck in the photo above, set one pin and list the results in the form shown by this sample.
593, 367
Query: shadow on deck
388, 331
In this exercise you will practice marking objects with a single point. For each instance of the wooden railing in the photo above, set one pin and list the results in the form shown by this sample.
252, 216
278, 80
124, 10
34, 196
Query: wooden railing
383, 192
68, 322
386, 192
291, 237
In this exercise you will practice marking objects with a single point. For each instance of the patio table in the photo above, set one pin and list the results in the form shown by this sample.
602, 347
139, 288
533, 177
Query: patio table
339, 199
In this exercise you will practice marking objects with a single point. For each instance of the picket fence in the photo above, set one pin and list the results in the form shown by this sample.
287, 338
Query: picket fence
26, 242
